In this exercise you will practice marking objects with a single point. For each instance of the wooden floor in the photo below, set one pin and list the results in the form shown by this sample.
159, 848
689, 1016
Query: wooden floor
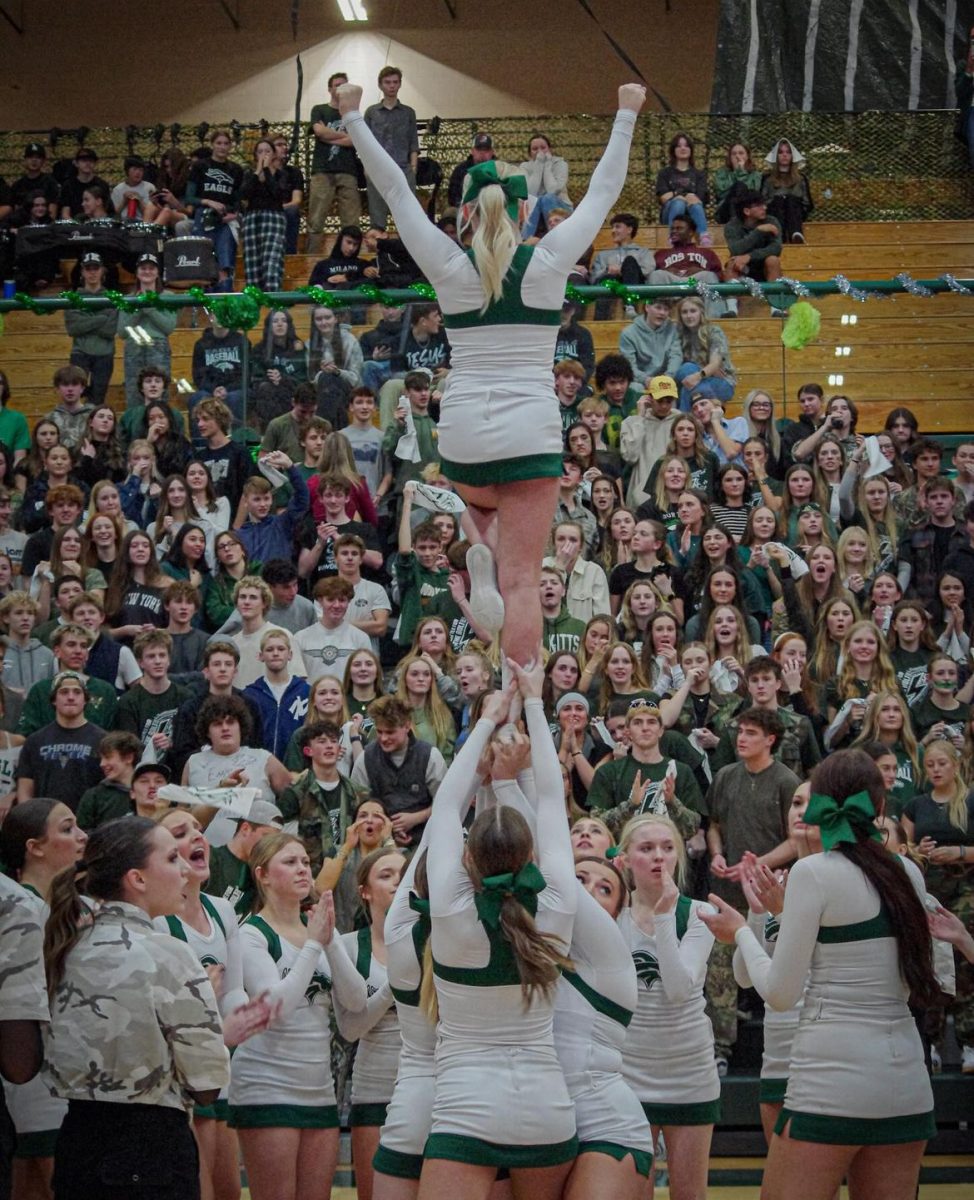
882, 353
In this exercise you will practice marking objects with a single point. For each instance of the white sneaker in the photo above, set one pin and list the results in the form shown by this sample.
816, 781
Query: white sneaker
936, 1063
722, 1066
486, 602
967, 1060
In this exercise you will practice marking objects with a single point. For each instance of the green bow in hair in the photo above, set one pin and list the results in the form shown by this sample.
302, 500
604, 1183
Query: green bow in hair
481, 175
840, 821
524, 887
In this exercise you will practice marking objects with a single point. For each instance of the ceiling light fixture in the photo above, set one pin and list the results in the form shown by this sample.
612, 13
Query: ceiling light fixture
353, 10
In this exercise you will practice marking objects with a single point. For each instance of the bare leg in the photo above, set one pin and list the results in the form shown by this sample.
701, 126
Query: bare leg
226, 1164
886, 1172
808, 1170
365, 1142
32, 1178
271, 1159
525, 510
769, 1116
687, 1160
316, 1165
443, 1179
540, 1183
390, 1187
600, 1177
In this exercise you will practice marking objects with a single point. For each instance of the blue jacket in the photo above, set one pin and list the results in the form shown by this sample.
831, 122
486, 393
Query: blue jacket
279, 721
274, 536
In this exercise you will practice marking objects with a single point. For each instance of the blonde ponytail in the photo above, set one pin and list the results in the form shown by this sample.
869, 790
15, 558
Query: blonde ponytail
428, 1001
494, 241
539, 961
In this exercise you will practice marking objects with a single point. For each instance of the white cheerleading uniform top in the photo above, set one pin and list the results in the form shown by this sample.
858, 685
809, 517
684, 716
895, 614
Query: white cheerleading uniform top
220, 947
510, 364
668, 1056
494, 1054
856, 1052
779, 1027
405, 972
589, 1042
375, 1028
290, 1063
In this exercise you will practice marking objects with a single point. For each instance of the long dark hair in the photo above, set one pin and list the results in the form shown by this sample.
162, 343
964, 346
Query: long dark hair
177, 554
113, 850
23, 823
122, 576
843, 774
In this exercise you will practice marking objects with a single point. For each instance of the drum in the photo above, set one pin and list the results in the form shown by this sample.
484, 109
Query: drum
189, 260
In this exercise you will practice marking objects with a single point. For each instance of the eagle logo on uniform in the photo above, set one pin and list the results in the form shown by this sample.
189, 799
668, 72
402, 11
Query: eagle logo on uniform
319, 984
647, 967
772, 927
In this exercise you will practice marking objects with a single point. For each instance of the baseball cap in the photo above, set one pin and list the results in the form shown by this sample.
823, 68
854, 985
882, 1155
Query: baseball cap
91, 259
63, 677
34, 150
262, 812
663, 387
159, 768
483, 141
147, 258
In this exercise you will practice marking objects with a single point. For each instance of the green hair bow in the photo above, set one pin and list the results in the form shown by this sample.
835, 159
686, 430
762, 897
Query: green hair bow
481, 175
842, 820
524, 887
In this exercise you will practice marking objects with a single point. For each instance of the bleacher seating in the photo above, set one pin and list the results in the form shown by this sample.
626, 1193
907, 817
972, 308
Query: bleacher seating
903, 350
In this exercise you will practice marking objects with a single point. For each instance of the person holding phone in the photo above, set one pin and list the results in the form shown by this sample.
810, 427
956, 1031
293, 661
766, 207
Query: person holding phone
264, 226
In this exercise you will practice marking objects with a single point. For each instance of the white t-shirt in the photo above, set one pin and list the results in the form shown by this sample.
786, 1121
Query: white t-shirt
325, 651
251, 668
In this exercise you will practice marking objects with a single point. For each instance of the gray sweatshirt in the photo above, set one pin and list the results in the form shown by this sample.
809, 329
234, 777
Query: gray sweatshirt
651, 351
23, 666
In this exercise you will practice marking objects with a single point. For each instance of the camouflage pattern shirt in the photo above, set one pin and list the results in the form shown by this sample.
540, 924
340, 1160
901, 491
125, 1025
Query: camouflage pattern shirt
134, 1019
23, 991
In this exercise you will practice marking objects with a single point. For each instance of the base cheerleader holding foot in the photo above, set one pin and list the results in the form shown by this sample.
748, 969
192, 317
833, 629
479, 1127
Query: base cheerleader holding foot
499, 925
282, 1096
858, 1104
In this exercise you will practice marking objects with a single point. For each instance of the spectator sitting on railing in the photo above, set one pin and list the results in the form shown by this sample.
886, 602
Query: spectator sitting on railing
684, 258
213, 192
754, 241
626, 261
131, 196
681, 188
85, 177
785, 187
737, 176
547, 180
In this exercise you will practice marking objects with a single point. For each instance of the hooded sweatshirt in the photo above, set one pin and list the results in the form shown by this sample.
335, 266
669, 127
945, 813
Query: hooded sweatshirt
651, 351
273, 537
23, 666
218, 361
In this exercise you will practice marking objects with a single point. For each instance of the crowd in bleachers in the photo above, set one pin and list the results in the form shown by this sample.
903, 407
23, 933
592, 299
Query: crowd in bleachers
269, 589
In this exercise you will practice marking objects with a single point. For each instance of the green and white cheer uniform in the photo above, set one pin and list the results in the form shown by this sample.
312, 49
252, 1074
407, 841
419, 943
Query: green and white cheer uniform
376, 1029
499, 418
282, 1077
500, 1098
857, 1074
593, 1009
668, 1057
